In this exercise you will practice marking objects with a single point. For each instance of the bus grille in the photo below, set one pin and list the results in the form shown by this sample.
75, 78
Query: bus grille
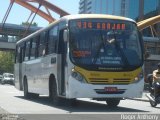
110, 81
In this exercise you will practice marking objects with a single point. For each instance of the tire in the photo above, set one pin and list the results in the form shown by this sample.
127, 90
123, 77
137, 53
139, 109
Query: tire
2, 82
28, 95
25, 86
153, 104
72, 102
55, 99
113, 102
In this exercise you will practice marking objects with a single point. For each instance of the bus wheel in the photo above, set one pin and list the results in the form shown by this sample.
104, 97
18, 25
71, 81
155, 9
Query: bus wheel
72, 102
26, 93
113, 102
54, 95
25, 85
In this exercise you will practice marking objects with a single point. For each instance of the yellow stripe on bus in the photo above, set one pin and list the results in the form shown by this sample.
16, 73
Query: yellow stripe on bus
99, 77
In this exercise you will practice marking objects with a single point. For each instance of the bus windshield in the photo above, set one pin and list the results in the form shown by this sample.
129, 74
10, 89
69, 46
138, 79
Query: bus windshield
105, 44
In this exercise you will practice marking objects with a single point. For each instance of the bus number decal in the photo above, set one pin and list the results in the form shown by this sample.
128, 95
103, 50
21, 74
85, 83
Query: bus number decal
99, 25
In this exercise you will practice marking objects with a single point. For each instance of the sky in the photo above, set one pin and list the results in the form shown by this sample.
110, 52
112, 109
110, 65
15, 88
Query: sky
20, 14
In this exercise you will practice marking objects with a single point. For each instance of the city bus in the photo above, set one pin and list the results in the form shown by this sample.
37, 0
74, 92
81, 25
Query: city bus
93, 56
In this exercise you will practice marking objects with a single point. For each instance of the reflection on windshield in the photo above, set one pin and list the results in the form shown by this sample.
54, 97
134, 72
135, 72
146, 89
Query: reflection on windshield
105, 48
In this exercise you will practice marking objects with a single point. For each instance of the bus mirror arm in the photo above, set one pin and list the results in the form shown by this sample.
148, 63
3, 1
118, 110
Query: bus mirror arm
65, 35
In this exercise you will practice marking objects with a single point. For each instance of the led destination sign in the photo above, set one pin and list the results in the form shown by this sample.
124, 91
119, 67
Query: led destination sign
101, 25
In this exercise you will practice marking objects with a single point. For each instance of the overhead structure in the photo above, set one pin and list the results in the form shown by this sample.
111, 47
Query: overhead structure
37, 11
44, 3
152, 23
33, 9
32, 6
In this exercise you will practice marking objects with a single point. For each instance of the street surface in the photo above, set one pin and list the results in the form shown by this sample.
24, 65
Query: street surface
13, 102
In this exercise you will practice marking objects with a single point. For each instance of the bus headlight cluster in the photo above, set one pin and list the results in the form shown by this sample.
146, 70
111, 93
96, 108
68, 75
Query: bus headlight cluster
139, 77
78, 76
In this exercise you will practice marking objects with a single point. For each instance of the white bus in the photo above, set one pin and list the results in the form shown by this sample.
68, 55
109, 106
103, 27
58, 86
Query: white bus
82, 56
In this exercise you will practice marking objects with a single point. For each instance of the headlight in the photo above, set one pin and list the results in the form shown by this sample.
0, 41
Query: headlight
139, 77
77, 76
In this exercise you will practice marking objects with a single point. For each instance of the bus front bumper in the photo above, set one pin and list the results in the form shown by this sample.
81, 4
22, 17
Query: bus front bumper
76, 89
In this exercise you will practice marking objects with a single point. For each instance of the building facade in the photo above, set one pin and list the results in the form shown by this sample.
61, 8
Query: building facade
100, 7
135, 9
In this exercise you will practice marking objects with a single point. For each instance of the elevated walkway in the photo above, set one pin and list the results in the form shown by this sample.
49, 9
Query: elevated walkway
9, 34
7, 46
16, 30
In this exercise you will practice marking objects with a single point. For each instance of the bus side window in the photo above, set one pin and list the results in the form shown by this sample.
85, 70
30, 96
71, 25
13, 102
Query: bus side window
23, 52
17, 54
37, 46
27, 51
33, 49
42, 44
52, 40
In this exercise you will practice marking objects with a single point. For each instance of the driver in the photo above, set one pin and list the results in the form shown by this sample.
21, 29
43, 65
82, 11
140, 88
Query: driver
156, 80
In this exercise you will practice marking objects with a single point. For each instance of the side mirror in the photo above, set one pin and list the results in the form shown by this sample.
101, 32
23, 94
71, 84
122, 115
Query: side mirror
65, 35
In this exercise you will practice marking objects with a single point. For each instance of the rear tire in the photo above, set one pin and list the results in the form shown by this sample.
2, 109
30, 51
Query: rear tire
113, 102
55, 99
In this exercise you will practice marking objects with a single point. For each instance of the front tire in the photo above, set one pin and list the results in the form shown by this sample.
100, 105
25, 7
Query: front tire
28, 95
25, 86
113, 102
55, 99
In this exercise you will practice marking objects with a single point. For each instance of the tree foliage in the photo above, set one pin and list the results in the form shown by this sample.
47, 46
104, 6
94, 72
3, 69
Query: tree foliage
6, 62
27, 24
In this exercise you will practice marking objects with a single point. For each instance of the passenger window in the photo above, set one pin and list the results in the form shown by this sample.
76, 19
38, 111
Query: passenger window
52, 40
42, 44
17, 54
27, 51
23, 51
33, 49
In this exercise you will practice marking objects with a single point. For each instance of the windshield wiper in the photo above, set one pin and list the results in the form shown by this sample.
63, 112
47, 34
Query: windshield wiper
120, 50
99, 49
111, 41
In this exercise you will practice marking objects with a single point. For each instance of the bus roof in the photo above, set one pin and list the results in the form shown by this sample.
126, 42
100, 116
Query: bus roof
80, 16
103, 16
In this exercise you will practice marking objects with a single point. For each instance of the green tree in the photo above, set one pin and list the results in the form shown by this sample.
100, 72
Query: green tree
27, 23
6, 62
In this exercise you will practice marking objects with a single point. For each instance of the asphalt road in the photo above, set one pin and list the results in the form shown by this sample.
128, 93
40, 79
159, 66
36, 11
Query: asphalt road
12, 102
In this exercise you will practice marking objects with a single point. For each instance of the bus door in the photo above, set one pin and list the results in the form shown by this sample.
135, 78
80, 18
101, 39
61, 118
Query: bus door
18, 68
61, 68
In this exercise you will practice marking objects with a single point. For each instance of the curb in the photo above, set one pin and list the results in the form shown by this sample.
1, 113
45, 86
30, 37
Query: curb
139, 99
144, 98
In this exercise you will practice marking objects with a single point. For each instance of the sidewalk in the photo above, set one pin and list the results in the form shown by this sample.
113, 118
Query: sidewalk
144, 98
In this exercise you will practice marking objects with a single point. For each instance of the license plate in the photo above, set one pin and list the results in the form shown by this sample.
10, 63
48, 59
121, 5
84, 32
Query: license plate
111, 89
